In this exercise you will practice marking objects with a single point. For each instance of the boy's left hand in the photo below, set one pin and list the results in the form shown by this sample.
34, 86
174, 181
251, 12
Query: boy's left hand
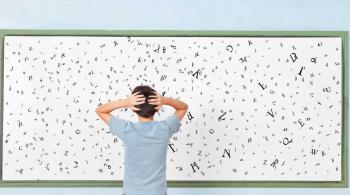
135, 99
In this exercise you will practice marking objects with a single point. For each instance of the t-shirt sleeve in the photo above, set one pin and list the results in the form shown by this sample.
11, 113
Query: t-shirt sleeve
117, 126
173, 123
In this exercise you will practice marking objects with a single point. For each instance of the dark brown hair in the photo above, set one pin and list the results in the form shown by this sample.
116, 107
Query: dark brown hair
146, 110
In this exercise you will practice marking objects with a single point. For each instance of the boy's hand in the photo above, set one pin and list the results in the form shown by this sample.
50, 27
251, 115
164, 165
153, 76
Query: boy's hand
156, 100
135, 99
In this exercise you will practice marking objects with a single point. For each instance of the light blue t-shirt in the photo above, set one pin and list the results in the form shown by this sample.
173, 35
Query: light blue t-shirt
145, 152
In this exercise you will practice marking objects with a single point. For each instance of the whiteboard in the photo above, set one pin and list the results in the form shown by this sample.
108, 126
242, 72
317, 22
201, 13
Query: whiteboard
260, 108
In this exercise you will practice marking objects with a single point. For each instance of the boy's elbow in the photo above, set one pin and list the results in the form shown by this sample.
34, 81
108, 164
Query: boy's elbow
186, 106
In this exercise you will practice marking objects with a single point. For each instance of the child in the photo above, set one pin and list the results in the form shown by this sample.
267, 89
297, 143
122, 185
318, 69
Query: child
146, 141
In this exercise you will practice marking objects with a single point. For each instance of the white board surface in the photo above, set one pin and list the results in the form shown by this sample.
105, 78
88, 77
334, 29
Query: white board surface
260, 108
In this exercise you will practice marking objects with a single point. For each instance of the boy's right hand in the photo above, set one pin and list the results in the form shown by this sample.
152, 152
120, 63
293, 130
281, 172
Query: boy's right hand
156, 100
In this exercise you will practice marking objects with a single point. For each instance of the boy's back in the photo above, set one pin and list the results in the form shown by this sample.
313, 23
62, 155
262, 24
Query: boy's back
145, 152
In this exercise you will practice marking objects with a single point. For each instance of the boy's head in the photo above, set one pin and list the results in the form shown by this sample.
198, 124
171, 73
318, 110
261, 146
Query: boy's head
146, 110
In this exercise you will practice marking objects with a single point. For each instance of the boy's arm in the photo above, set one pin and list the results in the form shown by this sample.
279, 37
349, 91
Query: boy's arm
104, 110
180, 106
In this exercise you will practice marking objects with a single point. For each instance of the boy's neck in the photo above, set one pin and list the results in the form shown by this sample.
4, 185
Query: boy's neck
142, 119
